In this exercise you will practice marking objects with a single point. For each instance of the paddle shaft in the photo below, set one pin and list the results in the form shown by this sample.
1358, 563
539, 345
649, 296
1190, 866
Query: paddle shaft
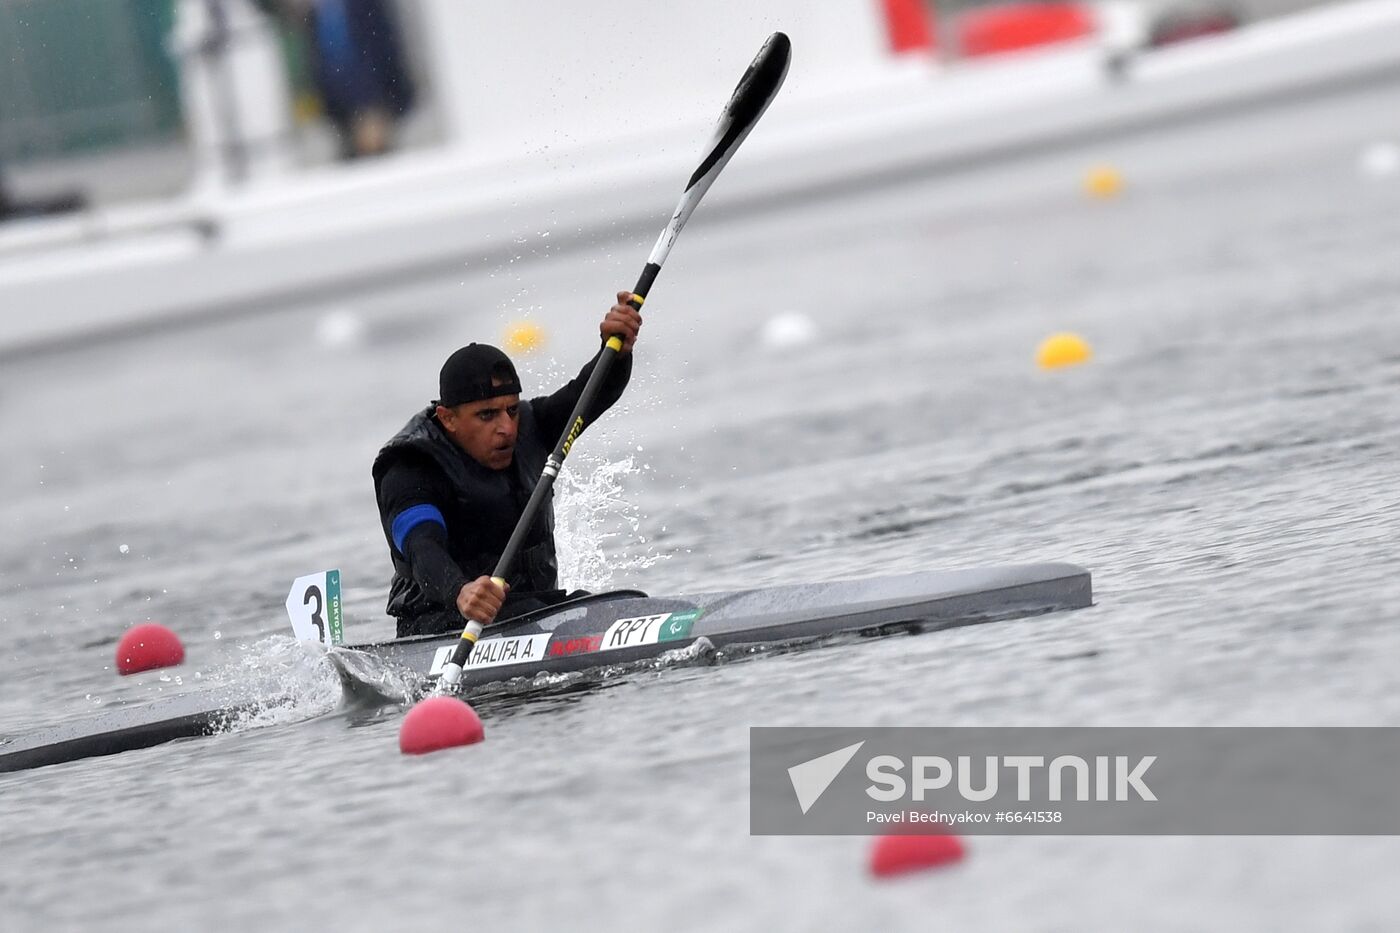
750, 99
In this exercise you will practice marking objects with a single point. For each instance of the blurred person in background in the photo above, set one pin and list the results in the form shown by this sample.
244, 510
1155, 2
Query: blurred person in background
357, 65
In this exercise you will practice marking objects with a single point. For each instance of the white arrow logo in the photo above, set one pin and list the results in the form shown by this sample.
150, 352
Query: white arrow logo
811, 778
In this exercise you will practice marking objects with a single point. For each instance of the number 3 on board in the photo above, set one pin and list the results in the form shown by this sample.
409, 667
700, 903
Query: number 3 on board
313, 605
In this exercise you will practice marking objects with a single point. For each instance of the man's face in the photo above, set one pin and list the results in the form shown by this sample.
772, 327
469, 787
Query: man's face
486, 430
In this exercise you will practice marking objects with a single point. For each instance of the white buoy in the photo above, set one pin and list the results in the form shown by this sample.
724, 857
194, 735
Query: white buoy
789, 329
1380, 160
340, 328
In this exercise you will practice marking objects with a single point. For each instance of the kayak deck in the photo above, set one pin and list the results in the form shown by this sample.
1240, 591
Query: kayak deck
610, 630
621, 628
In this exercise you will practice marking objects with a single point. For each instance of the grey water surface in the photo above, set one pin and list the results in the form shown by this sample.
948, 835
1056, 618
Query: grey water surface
1225, 465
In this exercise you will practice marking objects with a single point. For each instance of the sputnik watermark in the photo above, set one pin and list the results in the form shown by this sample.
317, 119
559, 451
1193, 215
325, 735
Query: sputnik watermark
1186, 781
1113, 778
1106, 778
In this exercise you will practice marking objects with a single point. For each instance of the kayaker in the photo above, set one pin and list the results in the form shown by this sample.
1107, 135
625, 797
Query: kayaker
453, 483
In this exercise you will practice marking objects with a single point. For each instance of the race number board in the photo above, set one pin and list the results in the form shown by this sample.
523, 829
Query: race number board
313, 605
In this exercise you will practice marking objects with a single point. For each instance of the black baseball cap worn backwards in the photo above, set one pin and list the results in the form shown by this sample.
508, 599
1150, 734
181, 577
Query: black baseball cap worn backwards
476, 372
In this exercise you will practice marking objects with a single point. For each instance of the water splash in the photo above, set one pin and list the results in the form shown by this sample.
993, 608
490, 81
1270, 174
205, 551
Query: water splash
598, 531
293, 681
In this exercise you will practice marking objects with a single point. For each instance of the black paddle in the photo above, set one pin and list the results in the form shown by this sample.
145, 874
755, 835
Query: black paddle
755, 92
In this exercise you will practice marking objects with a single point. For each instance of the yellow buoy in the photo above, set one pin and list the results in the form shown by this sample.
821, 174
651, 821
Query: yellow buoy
1103, 181
524, 337
1063, 349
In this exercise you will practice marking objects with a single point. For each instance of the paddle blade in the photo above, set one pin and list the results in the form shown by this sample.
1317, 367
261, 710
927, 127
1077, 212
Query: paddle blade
756, 90
760, 83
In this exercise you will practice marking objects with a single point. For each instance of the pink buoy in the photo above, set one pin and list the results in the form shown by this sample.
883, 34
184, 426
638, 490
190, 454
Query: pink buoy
437, 723
896, 855
148, 646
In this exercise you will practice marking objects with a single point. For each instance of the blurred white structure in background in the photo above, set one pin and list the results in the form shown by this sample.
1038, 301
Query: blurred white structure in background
584, 118
534, 73
234, 90
1123, 30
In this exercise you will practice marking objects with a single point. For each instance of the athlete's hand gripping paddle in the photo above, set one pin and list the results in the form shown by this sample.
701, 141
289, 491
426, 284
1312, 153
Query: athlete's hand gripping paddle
751, 98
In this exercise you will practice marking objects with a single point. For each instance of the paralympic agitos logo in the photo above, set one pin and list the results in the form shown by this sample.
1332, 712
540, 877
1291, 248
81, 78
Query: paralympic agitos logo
980, 778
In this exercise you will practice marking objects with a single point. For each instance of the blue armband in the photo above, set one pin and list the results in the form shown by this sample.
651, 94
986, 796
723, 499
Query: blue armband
410, 518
